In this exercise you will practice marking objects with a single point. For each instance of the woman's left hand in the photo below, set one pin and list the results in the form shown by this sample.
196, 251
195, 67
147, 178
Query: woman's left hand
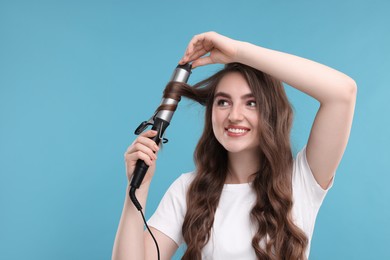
221, 48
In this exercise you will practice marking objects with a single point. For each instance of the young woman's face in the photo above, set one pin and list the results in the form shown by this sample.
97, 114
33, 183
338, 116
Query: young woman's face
234, 115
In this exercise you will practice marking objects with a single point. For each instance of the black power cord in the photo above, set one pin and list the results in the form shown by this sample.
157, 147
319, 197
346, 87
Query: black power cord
139, 207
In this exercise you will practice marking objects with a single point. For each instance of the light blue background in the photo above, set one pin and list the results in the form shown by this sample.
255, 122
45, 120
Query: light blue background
77, 77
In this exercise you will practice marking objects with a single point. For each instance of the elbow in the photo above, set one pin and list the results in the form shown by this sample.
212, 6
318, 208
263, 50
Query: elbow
341, 92
352, 88
349, 91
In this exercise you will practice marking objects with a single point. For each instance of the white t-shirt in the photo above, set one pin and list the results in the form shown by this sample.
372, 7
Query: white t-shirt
232, 231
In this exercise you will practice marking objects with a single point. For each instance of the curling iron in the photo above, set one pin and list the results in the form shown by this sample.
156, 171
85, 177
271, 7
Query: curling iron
159, 122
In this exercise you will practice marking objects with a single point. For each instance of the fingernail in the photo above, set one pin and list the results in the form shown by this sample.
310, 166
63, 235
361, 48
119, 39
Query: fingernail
156, 147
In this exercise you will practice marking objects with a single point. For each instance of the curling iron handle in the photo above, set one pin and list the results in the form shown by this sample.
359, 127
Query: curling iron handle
141, 167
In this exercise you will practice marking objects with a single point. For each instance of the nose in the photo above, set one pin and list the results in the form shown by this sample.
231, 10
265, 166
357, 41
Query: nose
235, 114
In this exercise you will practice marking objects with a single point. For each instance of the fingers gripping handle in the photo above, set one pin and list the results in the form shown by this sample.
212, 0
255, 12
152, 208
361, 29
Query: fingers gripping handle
141, 167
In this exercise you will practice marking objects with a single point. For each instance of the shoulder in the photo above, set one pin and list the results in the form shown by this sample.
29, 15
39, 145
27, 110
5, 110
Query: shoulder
182, 182
185, 178
169, 215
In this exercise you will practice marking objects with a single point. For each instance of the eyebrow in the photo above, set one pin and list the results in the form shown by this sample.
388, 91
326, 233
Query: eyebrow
223, 94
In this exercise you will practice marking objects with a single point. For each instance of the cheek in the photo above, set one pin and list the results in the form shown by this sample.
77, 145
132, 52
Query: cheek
217, 121
255, 135
255, 121
254, 118
214, 121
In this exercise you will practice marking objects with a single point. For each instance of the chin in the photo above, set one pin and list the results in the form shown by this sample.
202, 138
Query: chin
237, 149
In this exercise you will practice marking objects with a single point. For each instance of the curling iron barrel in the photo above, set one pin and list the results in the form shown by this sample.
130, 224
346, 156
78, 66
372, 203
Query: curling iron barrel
159, 121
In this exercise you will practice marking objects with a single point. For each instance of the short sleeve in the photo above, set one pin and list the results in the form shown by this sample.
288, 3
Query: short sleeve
308, 196
304, 182
169, 215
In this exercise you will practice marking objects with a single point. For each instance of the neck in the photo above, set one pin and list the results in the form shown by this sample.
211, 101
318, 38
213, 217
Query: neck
241, 167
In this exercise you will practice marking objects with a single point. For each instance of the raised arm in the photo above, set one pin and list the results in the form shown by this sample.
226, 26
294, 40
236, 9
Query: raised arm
335, 91
131, 241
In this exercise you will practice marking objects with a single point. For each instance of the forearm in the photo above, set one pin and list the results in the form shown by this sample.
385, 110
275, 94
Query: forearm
319, 81
129, 240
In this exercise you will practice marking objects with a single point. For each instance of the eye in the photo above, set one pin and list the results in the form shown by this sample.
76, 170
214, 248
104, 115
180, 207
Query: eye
222, 103
252, 103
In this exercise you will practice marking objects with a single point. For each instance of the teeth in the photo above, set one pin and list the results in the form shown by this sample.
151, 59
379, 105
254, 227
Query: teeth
237, 131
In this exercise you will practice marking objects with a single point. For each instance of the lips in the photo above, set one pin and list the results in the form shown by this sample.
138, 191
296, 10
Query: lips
233, 130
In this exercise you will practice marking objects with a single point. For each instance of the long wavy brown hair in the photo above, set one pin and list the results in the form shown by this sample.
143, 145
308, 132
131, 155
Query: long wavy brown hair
271, 213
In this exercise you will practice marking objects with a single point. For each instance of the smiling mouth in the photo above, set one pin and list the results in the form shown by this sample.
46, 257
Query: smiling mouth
237, 130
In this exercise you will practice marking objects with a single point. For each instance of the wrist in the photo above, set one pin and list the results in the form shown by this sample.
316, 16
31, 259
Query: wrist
242, 48
143, 187
141, 193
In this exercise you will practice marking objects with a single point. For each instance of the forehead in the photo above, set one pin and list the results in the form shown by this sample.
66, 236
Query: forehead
234, 84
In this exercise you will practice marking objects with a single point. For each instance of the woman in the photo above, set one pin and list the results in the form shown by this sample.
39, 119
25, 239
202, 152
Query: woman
248, 198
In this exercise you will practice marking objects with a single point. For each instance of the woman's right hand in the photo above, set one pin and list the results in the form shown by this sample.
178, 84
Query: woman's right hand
145, 149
